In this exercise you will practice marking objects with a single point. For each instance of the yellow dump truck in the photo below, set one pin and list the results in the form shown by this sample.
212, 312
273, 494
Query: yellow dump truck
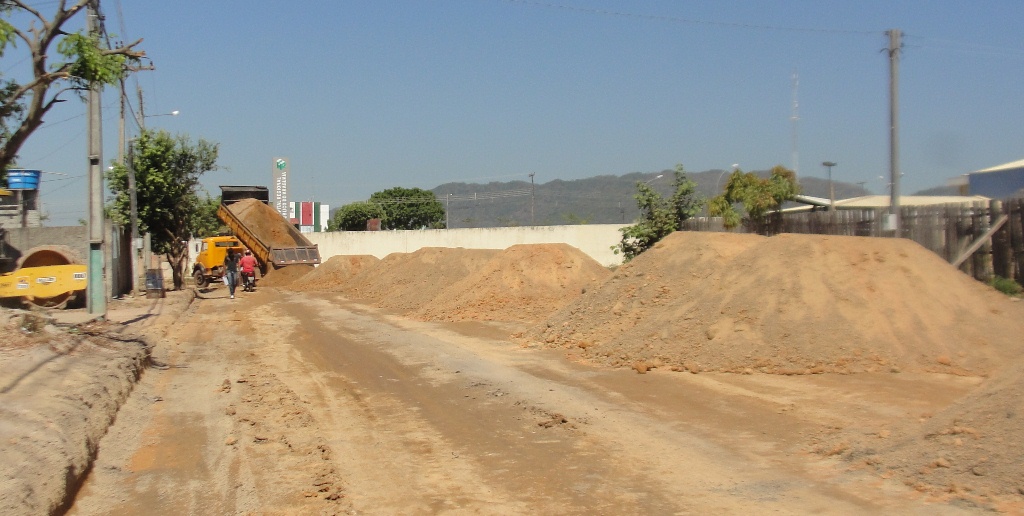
209, 266
273, 240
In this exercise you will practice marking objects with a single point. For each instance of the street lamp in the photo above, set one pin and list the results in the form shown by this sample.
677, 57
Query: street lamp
831, 187
141, 117
657, 177
735, 167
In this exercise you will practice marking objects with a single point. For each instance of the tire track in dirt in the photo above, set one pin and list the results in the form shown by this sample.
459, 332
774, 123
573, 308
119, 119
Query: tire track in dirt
546, 442
212, 434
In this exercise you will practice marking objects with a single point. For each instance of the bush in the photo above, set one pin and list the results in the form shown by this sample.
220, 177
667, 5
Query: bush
1006, 286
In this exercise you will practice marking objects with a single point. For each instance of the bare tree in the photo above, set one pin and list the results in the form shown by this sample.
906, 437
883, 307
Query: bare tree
80, 59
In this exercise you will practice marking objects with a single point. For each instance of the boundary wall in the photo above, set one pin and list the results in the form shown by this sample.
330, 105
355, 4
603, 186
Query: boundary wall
596, 240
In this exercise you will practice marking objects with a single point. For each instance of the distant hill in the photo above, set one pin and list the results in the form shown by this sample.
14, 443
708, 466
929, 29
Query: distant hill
595, 200
940, 191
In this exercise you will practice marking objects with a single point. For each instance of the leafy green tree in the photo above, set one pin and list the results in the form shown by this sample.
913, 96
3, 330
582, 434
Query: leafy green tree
207, 223
410, 208
759, 198
659, 216
354, 216
167, 172
77, 60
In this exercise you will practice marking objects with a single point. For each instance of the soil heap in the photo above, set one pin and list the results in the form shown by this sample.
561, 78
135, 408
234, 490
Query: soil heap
789, 304
285, 275
330, 275
266, 223
970, 450
407, 281
525, 283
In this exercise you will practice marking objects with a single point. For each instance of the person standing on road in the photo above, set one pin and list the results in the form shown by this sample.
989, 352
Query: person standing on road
231, 271
248, 264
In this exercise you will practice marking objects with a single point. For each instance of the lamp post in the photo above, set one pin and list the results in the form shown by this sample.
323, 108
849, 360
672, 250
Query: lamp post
831, 187
134, 204
735, 167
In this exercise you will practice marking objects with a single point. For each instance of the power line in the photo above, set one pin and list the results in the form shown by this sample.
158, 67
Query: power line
961, 46
687, 21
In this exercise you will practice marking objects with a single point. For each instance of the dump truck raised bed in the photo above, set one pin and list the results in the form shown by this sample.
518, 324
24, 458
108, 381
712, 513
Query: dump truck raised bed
272, 239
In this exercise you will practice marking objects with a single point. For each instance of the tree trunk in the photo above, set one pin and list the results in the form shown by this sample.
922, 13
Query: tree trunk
177, 258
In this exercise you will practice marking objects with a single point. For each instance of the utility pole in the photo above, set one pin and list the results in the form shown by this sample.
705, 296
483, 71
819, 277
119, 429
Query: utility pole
795, 119
894, 147
96, 298
532, 198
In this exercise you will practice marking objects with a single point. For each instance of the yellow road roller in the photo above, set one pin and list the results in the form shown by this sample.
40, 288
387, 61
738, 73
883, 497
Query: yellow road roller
46, 276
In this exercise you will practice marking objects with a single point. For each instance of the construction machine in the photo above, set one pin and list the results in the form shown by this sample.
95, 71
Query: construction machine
46, 276
273, 240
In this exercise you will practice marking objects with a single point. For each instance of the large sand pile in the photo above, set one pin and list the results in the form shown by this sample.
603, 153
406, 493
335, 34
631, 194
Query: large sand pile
789, 304
407, 281
522, 283
266, 223
333, 273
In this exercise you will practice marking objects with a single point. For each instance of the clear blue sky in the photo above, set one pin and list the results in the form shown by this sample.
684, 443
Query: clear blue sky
367, 95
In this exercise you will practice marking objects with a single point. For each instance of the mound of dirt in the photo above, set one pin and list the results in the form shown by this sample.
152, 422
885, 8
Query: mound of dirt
407, 281
789, 304
61, 389
970, 450
284, 276
331, 274
525, 282
266, 223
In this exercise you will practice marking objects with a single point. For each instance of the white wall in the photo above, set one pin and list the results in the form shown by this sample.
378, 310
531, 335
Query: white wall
595, 240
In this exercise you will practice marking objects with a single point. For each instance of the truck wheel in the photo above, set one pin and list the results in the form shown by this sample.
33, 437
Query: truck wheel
201, 281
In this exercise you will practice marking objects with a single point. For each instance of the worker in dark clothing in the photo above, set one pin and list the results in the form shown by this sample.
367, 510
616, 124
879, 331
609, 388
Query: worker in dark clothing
231, 271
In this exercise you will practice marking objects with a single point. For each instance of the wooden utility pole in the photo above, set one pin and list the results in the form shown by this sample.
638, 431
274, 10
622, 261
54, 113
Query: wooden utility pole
894, 142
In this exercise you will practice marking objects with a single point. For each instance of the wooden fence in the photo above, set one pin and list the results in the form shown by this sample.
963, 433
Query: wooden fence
982, 239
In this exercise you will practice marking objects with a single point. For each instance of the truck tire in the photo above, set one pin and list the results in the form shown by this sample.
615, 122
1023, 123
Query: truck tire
201, 281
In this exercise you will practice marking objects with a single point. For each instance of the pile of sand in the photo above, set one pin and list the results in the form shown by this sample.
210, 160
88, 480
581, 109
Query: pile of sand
284, 275
789, 304
266, 223
522, 283
407, 281
970, 450
333, 273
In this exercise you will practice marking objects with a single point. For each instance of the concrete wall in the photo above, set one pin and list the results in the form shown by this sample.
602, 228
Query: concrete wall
20, 240
595, 240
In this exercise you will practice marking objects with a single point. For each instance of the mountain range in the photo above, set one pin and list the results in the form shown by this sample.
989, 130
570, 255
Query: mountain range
605, 199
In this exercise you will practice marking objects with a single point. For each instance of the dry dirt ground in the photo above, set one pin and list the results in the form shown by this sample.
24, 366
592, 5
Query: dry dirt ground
630, 397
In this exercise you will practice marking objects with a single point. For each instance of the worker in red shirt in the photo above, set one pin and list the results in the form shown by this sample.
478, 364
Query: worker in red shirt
248, 265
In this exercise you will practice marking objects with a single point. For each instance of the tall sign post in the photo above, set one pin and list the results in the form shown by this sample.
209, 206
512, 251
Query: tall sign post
280, 186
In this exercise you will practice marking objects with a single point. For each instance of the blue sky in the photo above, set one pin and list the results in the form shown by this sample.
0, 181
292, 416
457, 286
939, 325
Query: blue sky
367, 95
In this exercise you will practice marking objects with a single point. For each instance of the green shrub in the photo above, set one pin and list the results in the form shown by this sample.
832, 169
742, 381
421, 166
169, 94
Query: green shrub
1006, 286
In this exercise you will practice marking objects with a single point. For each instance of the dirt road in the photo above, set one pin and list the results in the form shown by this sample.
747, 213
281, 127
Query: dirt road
303, 403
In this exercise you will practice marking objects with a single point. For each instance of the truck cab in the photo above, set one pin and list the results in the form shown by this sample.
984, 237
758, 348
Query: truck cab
209, 265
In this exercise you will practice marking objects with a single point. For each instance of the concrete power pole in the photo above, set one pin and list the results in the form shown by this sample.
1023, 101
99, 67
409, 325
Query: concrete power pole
533, 192
96, 298
894, 145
